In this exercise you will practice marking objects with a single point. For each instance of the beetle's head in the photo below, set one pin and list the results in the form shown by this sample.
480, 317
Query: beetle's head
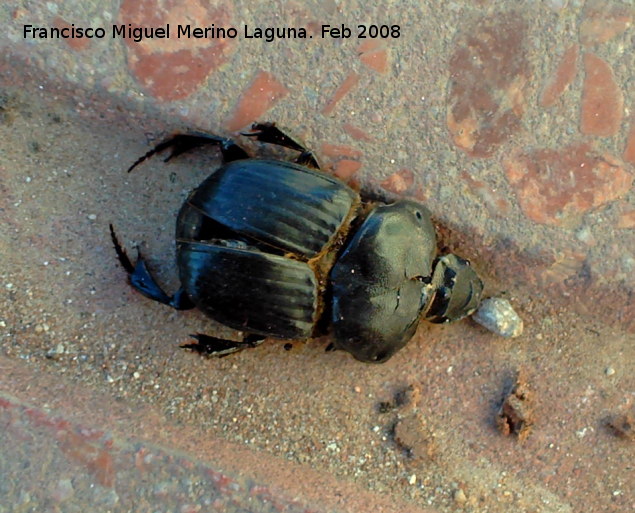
457, 290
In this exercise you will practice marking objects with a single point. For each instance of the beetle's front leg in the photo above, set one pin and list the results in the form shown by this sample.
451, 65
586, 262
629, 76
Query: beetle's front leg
182, 143
141, 280
270, 133
220, 347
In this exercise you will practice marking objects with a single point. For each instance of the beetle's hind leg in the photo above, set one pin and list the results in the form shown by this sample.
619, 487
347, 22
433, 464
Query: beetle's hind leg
141, 280
219, 347
182, 143
270, 133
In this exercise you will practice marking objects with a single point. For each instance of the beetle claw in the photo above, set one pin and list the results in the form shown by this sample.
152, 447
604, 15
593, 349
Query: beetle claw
251, 134
219, 347
270, 133
121, 253
141, 280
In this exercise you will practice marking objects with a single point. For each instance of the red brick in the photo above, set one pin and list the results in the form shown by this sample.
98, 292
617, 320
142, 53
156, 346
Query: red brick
602, 100
399, 182
346, 168
356, 132
265, 90
489, 71
377, 61
370, 45
339, 150
349, 83
19, 13
602, 21
374, 55
496, 203
557, 186
172, 69
82, 450
75, 43
561, 78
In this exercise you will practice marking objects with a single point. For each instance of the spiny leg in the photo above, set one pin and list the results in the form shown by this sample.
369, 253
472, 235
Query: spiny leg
141, 280
220, 347
182, 143
308, 159
270, 133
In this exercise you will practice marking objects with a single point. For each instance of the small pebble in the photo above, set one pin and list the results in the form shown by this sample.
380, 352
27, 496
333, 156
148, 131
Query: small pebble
609, 371
92, 217
497, 315
39, 328
412, 479
459, 496
56, 352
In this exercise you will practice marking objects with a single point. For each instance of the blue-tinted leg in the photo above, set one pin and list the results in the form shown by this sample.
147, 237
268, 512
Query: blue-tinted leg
141, 280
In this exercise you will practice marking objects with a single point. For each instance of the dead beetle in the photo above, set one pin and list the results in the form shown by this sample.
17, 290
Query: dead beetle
275, 248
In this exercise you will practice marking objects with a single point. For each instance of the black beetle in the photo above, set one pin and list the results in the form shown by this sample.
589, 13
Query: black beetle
275, 248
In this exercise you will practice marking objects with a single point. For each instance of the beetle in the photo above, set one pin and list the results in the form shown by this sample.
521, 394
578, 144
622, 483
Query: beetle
280, 249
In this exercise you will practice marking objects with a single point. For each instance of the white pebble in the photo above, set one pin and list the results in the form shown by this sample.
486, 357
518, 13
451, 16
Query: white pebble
332, 447
459, 496
497, 315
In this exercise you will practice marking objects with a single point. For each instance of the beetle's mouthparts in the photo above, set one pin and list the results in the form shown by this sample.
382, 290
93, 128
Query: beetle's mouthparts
457, 290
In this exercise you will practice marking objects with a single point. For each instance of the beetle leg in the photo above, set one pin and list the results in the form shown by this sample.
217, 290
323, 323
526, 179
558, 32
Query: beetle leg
141, 280
307, 158
182, 143
270, 133
220, 347
330, 348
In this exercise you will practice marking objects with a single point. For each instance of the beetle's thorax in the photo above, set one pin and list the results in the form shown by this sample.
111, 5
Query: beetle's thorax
380, 279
